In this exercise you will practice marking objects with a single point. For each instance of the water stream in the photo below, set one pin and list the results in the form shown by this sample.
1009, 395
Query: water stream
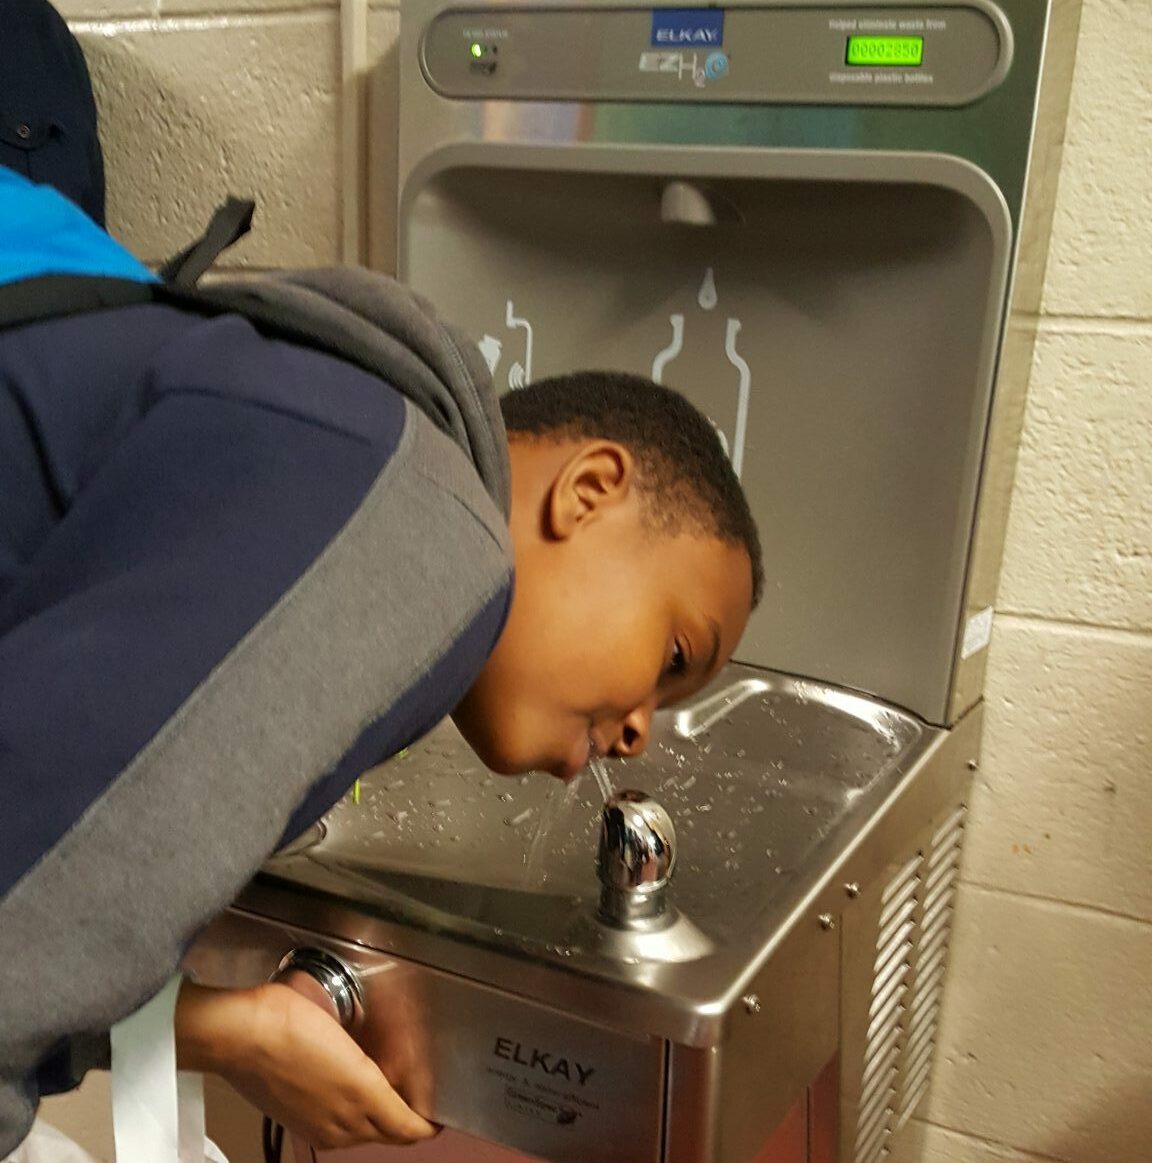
600, 771
557, 806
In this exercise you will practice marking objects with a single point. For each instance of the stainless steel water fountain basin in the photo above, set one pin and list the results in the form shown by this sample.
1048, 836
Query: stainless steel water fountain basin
759, 775
498, 1002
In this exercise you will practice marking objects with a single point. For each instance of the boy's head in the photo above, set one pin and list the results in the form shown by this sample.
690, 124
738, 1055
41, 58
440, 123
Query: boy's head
637, 565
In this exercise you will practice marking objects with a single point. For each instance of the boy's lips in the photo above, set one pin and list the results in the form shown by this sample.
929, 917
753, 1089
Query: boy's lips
577, 759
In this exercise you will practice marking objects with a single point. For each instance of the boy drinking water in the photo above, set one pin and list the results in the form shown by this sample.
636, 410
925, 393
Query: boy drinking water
236, 571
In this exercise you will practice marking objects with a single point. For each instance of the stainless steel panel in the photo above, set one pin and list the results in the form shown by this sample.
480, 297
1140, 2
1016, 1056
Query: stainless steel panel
993, 133
772, 1052
472, 1056
745, 54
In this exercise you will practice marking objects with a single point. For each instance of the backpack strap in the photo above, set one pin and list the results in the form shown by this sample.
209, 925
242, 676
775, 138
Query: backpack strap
52, 296
229, 224
55, 296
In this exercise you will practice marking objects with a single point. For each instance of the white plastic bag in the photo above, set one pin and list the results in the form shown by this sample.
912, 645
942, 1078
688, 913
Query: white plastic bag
157, 1112
45, 1144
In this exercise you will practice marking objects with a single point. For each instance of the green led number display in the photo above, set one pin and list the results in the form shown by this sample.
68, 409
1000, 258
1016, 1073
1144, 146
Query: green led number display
886, 52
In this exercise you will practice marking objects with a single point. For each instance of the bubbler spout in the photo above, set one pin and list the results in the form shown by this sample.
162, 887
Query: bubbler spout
636, 858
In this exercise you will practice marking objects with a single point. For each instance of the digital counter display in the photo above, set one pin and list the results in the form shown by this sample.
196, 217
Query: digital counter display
886, 52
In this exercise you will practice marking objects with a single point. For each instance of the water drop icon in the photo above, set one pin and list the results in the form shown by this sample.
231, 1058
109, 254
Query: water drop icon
707, 297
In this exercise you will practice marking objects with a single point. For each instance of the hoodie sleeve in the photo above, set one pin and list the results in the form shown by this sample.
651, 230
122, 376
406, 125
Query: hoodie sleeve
279, 575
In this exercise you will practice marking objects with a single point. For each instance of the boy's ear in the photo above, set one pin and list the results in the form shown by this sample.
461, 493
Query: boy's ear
598, 477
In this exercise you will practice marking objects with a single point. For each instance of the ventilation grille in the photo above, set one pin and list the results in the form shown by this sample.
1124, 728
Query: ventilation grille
907, 983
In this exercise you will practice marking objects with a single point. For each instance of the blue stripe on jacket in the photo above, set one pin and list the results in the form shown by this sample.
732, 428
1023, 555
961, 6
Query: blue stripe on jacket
43, 233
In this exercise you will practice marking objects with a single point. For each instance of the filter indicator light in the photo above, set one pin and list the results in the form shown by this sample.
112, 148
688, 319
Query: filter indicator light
482, 57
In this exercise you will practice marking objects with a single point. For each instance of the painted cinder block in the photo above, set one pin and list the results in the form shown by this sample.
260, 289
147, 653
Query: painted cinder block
1047, 155
1062, 804
922, 1142
1044, 1041
104, 9
231, 7
113, 9
1102, 233
1080, 529
192, 110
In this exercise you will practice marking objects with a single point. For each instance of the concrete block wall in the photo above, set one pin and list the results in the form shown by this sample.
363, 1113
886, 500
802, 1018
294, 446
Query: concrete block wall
1046, 1037
202, 98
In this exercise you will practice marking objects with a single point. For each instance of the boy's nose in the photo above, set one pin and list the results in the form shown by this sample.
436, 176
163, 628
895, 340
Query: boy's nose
634, 733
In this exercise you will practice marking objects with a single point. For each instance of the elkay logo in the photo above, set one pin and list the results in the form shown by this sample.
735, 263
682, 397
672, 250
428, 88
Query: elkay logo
545, 1060
680, 27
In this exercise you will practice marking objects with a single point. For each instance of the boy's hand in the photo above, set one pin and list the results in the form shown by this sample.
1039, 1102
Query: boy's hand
292, 1059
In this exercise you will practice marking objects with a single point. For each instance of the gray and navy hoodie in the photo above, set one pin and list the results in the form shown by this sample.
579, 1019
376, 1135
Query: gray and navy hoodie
235, 572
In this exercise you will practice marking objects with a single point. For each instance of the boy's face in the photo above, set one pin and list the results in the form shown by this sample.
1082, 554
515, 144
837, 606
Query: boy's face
610, 619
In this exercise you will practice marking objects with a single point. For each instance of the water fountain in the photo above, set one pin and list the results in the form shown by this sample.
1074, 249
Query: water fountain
805, 216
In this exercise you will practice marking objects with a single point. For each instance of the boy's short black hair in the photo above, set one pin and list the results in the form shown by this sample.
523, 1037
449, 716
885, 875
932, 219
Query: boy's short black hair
681, 465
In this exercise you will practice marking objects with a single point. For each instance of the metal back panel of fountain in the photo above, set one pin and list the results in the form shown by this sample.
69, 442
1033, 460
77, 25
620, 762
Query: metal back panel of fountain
803, 216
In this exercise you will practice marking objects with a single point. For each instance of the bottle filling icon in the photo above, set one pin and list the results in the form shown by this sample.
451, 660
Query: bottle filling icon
707, 298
